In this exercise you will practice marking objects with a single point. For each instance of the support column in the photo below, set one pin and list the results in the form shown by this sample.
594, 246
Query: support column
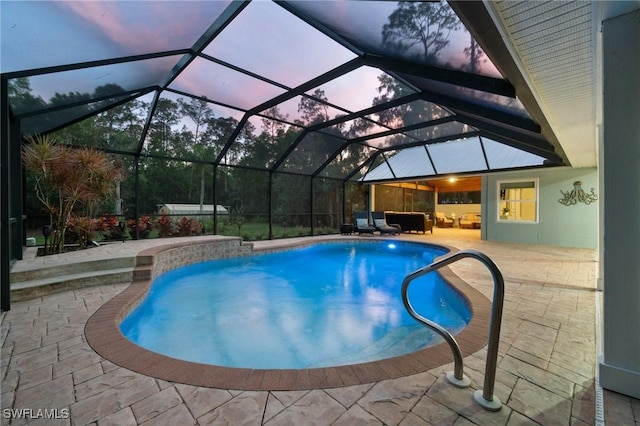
620, 157
136, 216
214, 196
12, 234
270, 202
311, 206
5, 196
372, 198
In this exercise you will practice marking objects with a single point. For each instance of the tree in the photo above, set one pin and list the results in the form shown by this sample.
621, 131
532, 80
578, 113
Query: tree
119, 176
19, 94
218, 133
61, 99
198, 110
166, 115
119, 127
475, 54
314, 109
315, 147
420, 29
263, 150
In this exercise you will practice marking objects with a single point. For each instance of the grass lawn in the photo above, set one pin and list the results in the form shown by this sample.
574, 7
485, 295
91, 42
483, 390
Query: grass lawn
250, 231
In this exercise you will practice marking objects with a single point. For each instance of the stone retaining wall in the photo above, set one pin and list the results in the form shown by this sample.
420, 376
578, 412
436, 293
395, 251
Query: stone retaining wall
167, 258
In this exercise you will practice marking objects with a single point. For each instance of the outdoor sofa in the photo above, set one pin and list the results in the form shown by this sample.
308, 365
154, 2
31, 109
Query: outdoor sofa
410, 221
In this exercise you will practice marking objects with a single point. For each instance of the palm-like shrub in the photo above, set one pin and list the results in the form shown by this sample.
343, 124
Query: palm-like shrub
68, 181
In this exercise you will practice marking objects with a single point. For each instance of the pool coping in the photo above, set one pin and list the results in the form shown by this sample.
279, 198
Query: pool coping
105, 338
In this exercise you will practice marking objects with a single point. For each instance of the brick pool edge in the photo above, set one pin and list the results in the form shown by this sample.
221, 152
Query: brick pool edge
105, 338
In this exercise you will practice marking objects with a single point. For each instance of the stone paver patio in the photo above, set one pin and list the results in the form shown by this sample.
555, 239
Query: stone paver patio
546, 363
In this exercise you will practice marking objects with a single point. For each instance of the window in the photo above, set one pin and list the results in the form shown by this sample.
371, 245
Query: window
467, 197
518, 201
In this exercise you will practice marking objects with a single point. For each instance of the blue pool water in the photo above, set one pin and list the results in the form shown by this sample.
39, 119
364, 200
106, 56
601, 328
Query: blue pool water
324, 305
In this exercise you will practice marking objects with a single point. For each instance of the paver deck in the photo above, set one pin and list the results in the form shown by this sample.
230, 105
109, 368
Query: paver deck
545, 375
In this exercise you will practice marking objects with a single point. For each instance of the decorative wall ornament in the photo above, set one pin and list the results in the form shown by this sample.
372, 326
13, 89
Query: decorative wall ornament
577, 195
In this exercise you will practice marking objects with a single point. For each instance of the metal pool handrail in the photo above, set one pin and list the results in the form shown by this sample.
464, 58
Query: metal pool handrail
457, 378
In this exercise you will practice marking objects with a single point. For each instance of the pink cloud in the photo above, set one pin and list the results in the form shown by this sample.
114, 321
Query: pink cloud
131, 28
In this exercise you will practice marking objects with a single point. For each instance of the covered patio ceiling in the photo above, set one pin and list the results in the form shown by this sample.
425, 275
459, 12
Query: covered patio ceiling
402, 86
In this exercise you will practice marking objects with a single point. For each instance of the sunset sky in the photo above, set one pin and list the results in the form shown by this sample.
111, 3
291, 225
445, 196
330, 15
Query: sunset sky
264, 39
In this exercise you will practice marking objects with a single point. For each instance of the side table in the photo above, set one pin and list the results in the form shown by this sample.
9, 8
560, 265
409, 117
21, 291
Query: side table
346, 229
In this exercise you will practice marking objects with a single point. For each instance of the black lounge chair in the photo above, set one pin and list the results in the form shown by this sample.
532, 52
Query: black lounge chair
380, 223
361, 223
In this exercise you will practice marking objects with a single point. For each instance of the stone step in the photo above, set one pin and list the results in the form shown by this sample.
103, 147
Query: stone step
72, 268
24, 290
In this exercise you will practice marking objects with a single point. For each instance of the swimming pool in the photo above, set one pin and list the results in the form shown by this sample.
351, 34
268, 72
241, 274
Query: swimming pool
325, 305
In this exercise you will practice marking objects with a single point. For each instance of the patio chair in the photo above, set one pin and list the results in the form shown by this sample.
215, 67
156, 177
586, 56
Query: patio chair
361, 223
380, 223
442, 221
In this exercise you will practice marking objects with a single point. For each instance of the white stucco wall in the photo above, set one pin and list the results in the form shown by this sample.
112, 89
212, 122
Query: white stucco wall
566, 226
458, 209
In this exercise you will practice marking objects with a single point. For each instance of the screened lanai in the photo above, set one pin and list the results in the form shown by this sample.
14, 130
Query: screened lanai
281, 112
